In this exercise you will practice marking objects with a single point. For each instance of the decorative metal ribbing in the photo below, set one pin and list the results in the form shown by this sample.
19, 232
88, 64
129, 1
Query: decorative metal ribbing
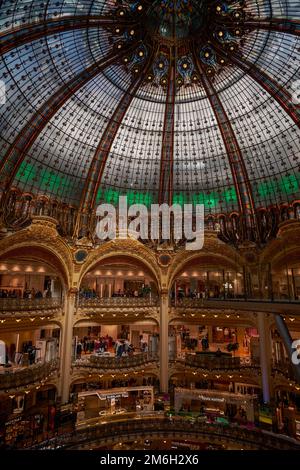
277, 92
234, 153
31, 32
166, 166
26, 138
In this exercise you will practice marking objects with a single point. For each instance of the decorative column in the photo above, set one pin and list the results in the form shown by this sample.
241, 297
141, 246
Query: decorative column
164, 342
265, 354
66, 349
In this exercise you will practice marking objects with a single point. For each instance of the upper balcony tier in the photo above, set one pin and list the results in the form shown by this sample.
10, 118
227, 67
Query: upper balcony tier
14, 378
115, 363
95, 302
156, 425
211, 362
11, 307
253, 305
119, 309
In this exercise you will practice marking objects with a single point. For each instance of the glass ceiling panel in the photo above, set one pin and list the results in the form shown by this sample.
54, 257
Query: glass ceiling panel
133, 165
35, 72
268, 138
201, 168
14, 14
59, 159
68, 143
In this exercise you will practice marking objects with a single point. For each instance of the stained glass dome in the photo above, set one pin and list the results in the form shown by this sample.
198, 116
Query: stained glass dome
165, 101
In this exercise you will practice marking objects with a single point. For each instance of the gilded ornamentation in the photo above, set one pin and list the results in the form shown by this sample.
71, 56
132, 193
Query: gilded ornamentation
123, 247
42, 234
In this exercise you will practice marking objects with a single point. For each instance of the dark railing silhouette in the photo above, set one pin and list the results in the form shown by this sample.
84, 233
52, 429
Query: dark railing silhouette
161, 425
95, 302
16, 305
113, 362
212, 361
198, 303
11, 379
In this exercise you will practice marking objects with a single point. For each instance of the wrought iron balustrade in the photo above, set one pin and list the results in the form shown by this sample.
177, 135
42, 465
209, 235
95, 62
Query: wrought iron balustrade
113, 362
11, 379
210, 362
188, 302
12, 305
163, 426
95, 302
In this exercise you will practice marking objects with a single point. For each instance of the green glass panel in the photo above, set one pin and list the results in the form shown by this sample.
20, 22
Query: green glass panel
26, 172
209, 200
229, 195
111, 196
267, 188
180, 199
289, 184
53, 182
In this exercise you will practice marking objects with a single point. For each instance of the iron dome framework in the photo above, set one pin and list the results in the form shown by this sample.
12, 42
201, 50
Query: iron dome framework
164, 101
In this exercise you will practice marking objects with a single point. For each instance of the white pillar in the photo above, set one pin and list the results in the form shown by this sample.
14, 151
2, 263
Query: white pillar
66, 349
164, 342
265, 355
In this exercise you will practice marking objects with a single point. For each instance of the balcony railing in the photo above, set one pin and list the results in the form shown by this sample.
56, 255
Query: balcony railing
284, 367
113, 362
195, 302
14, 306
211, 361
11, 379
157, 425
95, 302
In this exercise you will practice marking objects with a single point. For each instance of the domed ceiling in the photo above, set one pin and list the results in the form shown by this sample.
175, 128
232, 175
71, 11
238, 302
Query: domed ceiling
165, 101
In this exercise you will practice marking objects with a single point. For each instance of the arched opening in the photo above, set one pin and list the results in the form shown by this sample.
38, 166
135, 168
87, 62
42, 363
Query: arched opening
208, 277
119, 276
111, 341
285, 277
119, 294
202, 338
31, 273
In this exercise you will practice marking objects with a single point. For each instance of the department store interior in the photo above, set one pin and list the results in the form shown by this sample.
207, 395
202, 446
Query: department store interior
136, 343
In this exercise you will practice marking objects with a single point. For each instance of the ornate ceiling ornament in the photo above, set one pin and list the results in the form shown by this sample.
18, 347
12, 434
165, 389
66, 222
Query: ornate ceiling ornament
190, 101
177, 31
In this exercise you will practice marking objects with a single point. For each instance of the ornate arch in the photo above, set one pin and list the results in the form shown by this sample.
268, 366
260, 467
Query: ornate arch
285, 247
42, 237
212, 247
123, 247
